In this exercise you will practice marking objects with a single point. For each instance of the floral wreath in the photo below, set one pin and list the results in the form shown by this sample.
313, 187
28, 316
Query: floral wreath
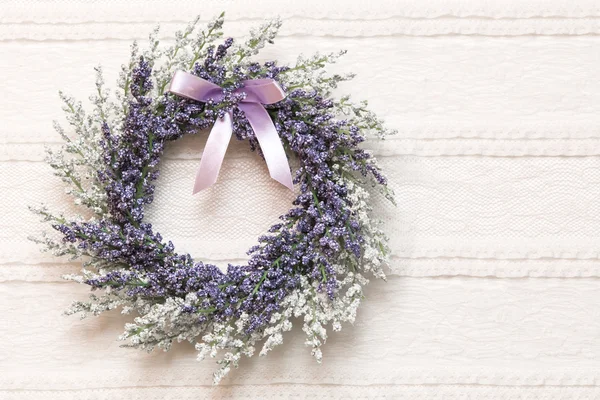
311, 265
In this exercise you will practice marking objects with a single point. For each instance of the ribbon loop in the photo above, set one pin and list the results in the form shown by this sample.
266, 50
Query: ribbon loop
264, 91
258, 92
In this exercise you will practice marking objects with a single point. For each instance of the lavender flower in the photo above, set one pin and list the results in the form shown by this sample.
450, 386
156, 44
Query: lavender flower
312, 263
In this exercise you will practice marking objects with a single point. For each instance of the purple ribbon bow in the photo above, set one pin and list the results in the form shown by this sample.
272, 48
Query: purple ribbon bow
258, 92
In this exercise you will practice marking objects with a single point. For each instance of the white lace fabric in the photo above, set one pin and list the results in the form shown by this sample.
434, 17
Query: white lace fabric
493, 287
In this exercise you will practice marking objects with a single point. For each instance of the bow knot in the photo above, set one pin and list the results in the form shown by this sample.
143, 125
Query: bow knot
257, 92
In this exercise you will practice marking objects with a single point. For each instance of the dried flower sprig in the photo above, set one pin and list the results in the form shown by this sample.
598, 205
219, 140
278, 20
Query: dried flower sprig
311, 266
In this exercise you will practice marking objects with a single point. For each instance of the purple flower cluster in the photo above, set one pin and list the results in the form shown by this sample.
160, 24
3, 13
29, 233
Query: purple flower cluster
307, 241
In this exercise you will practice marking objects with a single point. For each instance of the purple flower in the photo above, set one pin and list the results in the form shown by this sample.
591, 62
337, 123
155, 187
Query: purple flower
309, 237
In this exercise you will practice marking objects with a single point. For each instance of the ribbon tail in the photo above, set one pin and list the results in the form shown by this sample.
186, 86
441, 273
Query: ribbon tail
270, 143
214, 153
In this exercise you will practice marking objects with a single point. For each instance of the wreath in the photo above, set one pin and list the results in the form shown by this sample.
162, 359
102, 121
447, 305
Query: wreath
312, 265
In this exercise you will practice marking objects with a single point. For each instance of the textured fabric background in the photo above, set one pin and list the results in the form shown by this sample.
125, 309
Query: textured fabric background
494, 287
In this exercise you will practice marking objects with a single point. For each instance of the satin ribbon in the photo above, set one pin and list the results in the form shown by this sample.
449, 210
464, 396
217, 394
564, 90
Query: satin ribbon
258, 92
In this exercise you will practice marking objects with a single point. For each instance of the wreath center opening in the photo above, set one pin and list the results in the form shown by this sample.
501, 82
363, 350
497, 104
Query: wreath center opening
219, 224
